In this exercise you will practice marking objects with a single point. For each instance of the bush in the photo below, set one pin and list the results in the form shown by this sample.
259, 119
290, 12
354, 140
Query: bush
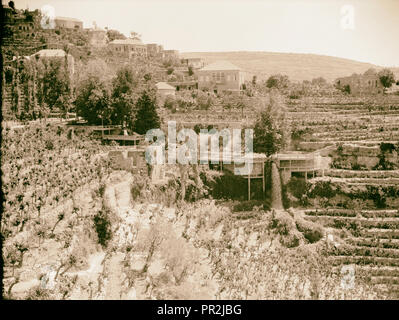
170, 102
311, 231
297, 187
249, 205
103, 226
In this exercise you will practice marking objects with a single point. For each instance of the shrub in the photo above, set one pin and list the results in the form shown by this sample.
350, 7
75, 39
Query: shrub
170, 102
311, 231
103, 226
297, 186
249, 205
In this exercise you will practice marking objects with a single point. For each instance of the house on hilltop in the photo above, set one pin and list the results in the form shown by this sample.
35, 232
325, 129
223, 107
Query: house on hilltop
68, 23
154, 50
128, 47
171, 54
221, 76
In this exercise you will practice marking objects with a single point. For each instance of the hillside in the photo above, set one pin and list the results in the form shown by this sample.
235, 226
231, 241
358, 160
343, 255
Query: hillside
297, 66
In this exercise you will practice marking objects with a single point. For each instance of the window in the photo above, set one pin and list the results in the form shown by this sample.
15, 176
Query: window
228, 77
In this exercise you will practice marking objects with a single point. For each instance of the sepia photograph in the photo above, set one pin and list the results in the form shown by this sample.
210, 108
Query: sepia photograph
197, 150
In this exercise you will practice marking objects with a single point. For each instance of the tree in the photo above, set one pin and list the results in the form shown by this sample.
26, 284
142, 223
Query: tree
386, 77
135, 35
204, 100
271, 132
278, 81
114, 35
92, 101
123, 96
147, 117
170, 70
190, 71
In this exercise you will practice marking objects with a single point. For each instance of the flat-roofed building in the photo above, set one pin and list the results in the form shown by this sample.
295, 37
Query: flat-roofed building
171, 54
128, 47
68, 23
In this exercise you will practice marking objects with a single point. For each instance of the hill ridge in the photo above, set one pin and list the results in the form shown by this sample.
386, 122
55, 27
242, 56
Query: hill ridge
298, 66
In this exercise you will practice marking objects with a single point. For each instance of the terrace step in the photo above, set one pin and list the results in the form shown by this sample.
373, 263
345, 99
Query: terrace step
362, 260
382, 271
381, 233
353, 213
385, 280
374, 243
376, 223
350, 250
380, 174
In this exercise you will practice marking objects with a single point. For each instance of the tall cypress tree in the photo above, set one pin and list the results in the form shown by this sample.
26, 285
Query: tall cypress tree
147, 117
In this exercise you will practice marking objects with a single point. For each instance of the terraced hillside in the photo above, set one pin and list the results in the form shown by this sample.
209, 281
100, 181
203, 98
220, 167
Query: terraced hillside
325, 122
357, 200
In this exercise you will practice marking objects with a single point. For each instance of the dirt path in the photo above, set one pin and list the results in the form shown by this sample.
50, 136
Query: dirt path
115, 275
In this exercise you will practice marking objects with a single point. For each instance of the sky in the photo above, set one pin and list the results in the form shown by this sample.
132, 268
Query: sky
362, 30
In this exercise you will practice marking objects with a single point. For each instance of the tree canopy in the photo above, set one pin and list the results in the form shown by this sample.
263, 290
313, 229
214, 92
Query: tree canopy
92, 102
278, 81
387, 77
147, 117
271, 131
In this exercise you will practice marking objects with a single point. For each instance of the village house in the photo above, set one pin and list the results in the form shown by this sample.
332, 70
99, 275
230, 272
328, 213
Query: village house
165, 89
68, 23
221, 76
128, 47
171, 54
154, 50
366, 83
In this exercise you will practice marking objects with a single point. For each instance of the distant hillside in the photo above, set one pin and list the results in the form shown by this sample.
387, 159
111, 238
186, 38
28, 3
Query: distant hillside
297, 66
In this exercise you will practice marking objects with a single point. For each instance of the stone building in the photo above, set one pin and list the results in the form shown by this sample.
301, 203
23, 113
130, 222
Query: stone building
221, 76
366, 83
68, 23
171, 54
154, 50
165, 89
128, 47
